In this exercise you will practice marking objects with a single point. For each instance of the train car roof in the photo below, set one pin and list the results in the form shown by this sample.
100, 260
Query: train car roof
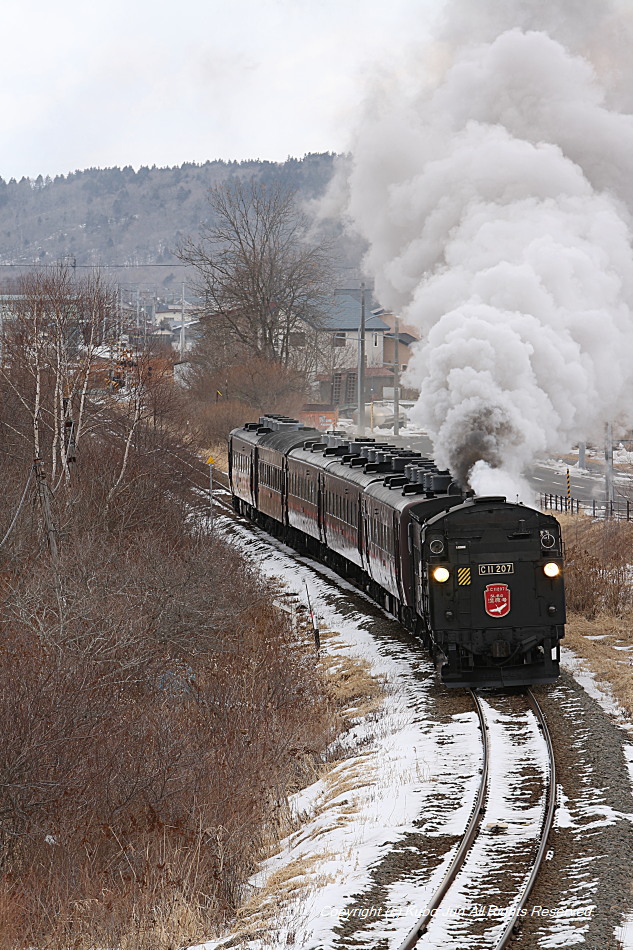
305, 456
355, 475
286, 439
417, 503
333, 465
281, 441
246, 435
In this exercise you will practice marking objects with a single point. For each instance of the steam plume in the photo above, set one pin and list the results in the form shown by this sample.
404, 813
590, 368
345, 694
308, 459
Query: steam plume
496, 198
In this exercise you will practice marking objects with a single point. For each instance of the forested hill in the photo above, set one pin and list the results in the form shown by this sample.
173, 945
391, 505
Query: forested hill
109, 216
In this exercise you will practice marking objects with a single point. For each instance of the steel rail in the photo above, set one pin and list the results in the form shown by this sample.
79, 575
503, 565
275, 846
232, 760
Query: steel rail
474, 822
419, 928
510, 930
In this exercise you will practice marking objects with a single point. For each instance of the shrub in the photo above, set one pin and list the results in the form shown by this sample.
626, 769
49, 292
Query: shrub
598, 566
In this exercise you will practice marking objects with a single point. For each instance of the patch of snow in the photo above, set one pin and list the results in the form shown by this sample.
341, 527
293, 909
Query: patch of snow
582, 674
628, 755
405, 773
624, 934
406, 768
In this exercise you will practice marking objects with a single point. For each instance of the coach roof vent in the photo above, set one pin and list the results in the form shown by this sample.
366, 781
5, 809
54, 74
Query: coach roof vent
398, 462
278, 423
440, 482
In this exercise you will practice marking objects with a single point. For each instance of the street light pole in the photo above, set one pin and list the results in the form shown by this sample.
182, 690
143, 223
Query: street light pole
608, 457
211, 463
396, 378
361, 364
182, 322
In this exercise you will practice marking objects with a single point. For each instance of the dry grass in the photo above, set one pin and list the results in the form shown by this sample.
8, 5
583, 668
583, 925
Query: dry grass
157, 712
611, 656
355, 694
599, 588
220, 453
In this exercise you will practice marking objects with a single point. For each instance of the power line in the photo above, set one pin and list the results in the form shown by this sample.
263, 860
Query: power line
93, 266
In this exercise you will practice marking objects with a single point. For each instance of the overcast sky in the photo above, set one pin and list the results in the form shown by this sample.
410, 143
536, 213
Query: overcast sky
144, 82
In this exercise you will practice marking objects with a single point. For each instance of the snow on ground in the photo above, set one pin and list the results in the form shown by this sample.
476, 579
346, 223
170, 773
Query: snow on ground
593, 814
625, 933
402, 764
406, 764
493, 855
582, 673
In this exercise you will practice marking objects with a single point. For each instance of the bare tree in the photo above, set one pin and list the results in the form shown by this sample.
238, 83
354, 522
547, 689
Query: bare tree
49, 349
260, 276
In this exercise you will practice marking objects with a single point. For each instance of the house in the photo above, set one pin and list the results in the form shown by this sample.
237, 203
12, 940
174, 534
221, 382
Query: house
336, 380
340, 327
407, 337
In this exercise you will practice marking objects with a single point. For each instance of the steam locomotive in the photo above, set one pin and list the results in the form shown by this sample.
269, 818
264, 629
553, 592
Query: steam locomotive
477, 578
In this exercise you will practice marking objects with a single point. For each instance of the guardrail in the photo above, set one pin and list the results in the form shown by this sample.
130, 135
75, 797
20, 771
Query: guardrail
620, 510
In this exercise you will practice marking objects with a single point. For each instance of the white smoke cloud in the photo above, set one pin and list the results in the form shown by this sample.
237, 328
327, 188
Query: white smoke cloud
497, 203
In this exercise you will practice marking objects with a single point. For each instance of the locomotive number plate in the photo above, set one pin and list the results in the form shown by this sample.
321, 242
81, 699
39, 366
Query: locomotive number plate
507, 568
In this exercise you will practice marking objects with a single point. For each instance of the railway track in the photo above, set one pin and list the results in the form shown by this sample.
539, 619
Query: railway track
484, 892
482, 897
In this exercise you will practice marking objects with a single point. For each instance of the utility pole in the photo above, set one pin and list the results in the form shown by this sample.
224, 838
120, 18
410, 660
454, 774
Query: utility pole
582, 448
608, 457
211, 463
361, 364
182, 322
396, 377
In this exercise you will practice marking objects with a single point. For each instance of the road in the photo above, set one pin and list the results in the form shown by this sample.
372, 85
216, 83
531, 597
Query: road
548, 477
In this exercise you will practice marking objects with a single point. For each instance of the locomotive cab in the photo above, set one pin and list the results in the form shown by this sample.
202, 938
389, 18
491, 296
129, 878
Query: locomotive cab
489, 582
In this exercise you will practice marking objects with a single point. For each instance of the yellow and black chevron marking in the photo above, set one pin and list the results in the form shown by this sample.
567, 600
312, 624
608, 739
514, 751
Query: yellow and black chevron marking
463, 575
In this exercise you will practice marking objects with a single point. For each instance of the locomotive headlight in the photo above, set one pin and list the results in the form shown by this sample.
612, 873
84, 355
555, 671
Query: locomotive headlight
551, 569
441, 574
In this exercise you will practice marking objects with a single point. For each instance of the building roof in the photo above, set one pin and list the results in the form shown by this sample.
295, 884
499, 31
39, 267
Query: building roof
406, 338
370, 371
378, 372
345, 313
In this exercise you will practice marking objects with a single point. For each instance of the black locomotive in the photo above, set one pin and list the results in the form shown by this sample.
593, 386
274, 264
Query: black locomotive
479, 579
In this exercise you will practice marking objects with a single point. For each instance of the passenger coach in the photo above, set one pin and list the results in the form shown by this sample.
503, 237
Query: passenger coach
479, 579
